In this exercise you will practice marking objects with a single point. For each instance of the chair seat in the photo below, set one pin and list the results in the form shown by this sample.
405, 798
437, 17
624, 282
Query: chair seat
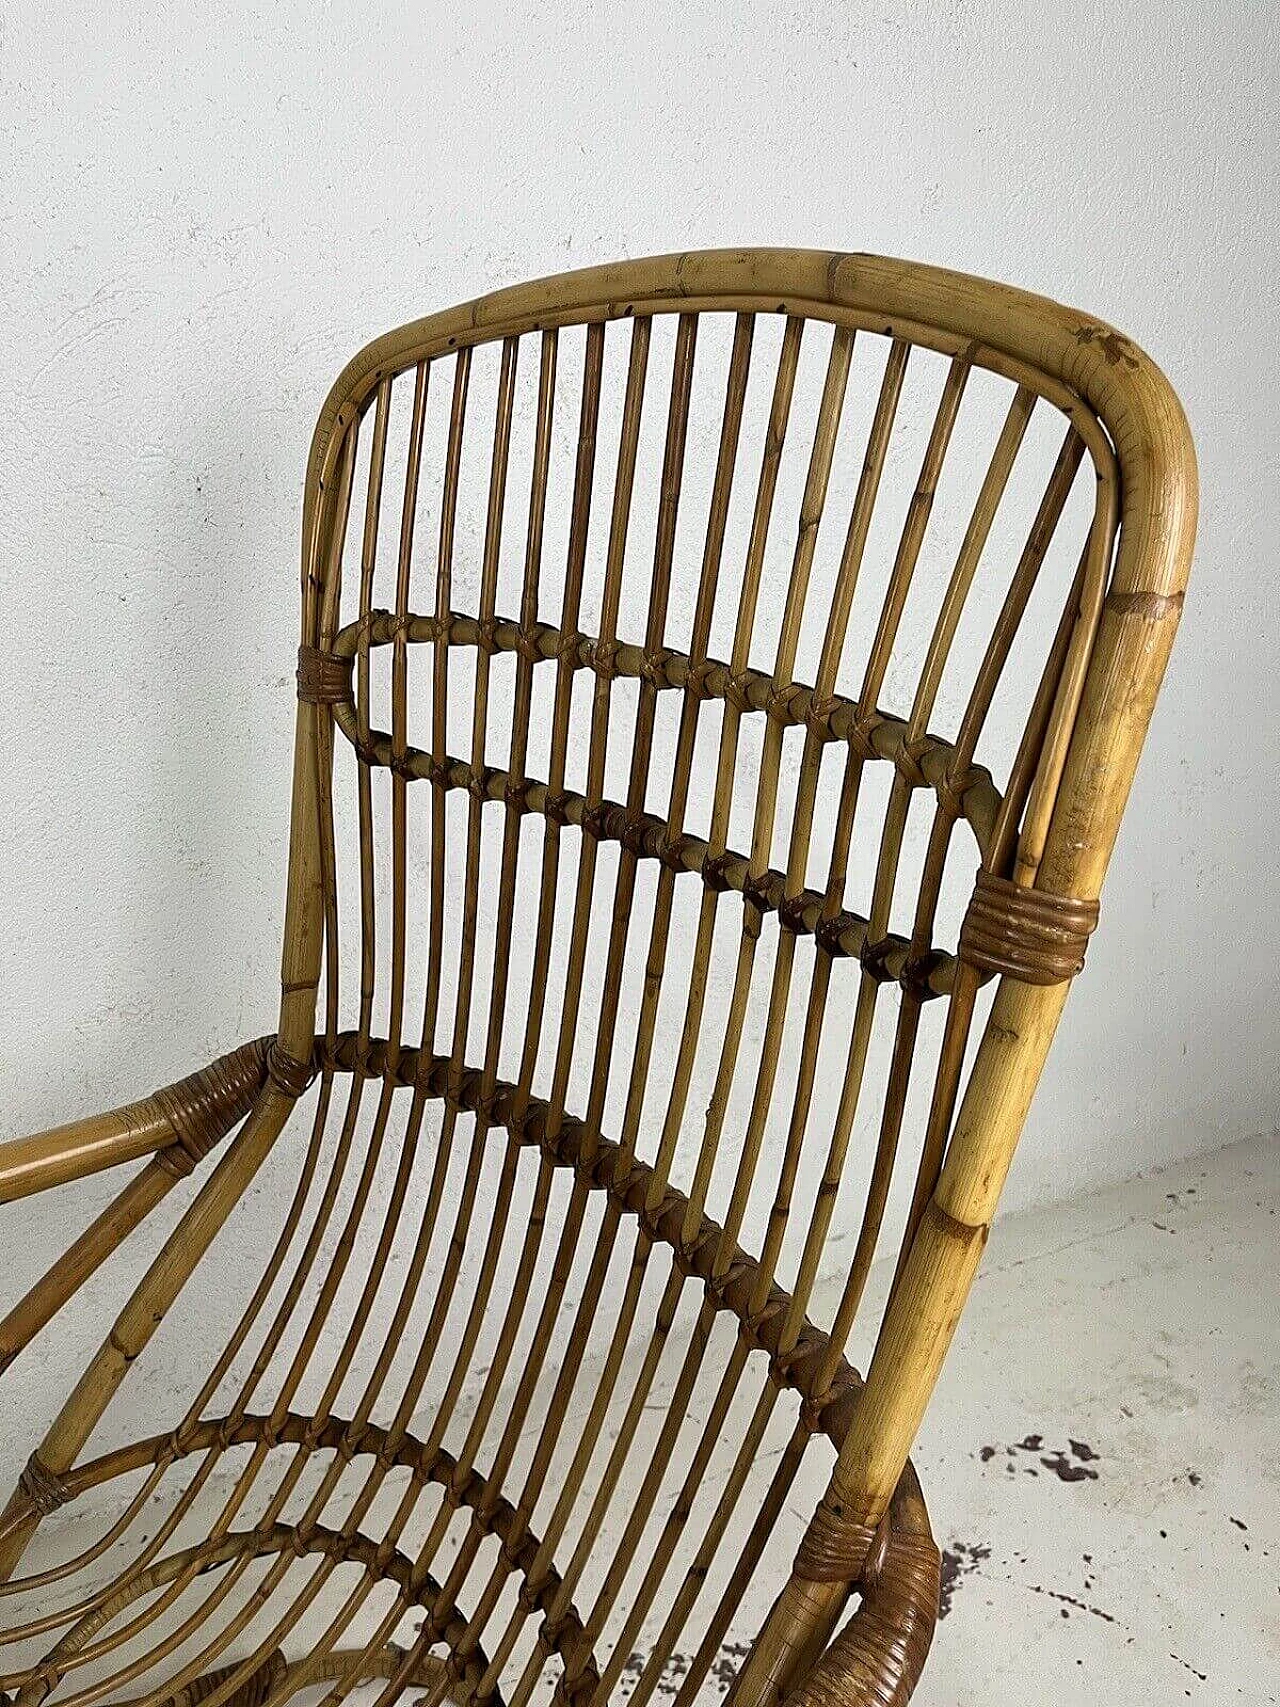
164, 1607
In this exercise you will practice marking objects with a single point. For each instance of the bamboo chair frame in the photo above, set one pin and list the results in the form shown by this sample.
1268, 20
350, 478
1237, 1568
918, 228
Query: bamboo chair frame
1045, 836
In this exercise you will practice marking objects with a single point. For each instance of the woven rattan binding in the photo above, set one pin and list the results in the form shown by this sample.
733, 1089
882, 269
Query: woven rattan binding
323, 677
203, 1107
834, 1550
1025, 933
286, 1072
253, 1692
45, 1490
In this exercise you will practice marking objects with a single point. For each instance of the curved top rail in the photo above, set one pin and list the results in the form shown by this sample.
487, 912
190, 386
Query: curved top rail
1074, 352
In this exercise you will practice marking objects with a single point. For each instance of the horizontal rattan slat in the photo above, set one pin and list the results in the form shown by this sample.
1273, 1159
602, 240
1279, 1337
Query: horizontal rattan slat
845, 934
728, 1273
876, 735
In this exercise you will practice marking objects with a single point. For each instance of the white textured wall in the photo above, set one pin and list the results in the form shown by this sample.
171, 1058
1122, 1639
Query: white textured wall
205, 210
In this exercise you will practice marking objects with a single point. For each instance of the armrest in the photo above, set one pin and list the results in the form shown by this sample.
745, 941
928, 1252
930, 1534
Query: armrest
877, 1658
183, 1121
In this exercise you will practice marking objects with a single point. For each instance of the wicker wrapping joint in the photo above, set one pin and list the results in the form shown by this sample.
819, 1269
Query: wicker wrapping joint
879, 1655
833, 1549
1026, 934
323, 677
877, 1554
45, 1490
203, 1107
287, 1073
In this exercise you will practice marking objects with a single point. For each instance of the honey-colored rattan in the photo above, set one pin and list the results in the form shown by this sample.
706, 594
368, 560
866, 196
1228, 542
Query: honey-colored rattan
537, 1388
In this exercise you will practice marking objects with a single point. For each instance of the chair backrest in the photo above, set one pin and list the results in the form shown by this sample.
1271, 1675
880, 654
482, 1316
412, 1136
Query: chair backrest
679, 639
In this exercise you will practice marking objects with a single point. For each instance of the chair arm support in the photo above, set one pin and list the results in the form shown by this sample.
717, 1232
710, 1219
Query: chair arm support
877, 1658
182, 1121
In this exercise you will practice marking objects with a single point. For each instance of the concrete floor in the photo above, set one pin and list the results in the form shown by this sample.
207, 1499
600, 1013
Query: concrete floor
1102, 1461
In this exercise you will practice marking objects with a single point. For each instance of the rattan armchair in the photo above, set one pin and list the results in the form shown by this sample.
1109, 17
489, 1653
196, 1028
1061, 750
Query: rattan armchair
637, 996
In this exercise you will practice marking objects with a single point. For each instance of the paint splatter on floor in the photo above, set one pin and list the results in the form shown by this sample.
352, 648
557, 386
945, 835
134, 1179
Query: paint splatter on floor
1070, 1602
721, 1673
1074, 1463
958, 1561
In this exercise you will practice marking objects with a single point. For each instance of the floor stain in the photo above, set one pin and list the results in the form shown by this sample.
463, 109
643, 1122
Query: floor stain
721, 1673
1072, 1464
728, 1663
1070, 1602
958, 1561
1187, 1666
